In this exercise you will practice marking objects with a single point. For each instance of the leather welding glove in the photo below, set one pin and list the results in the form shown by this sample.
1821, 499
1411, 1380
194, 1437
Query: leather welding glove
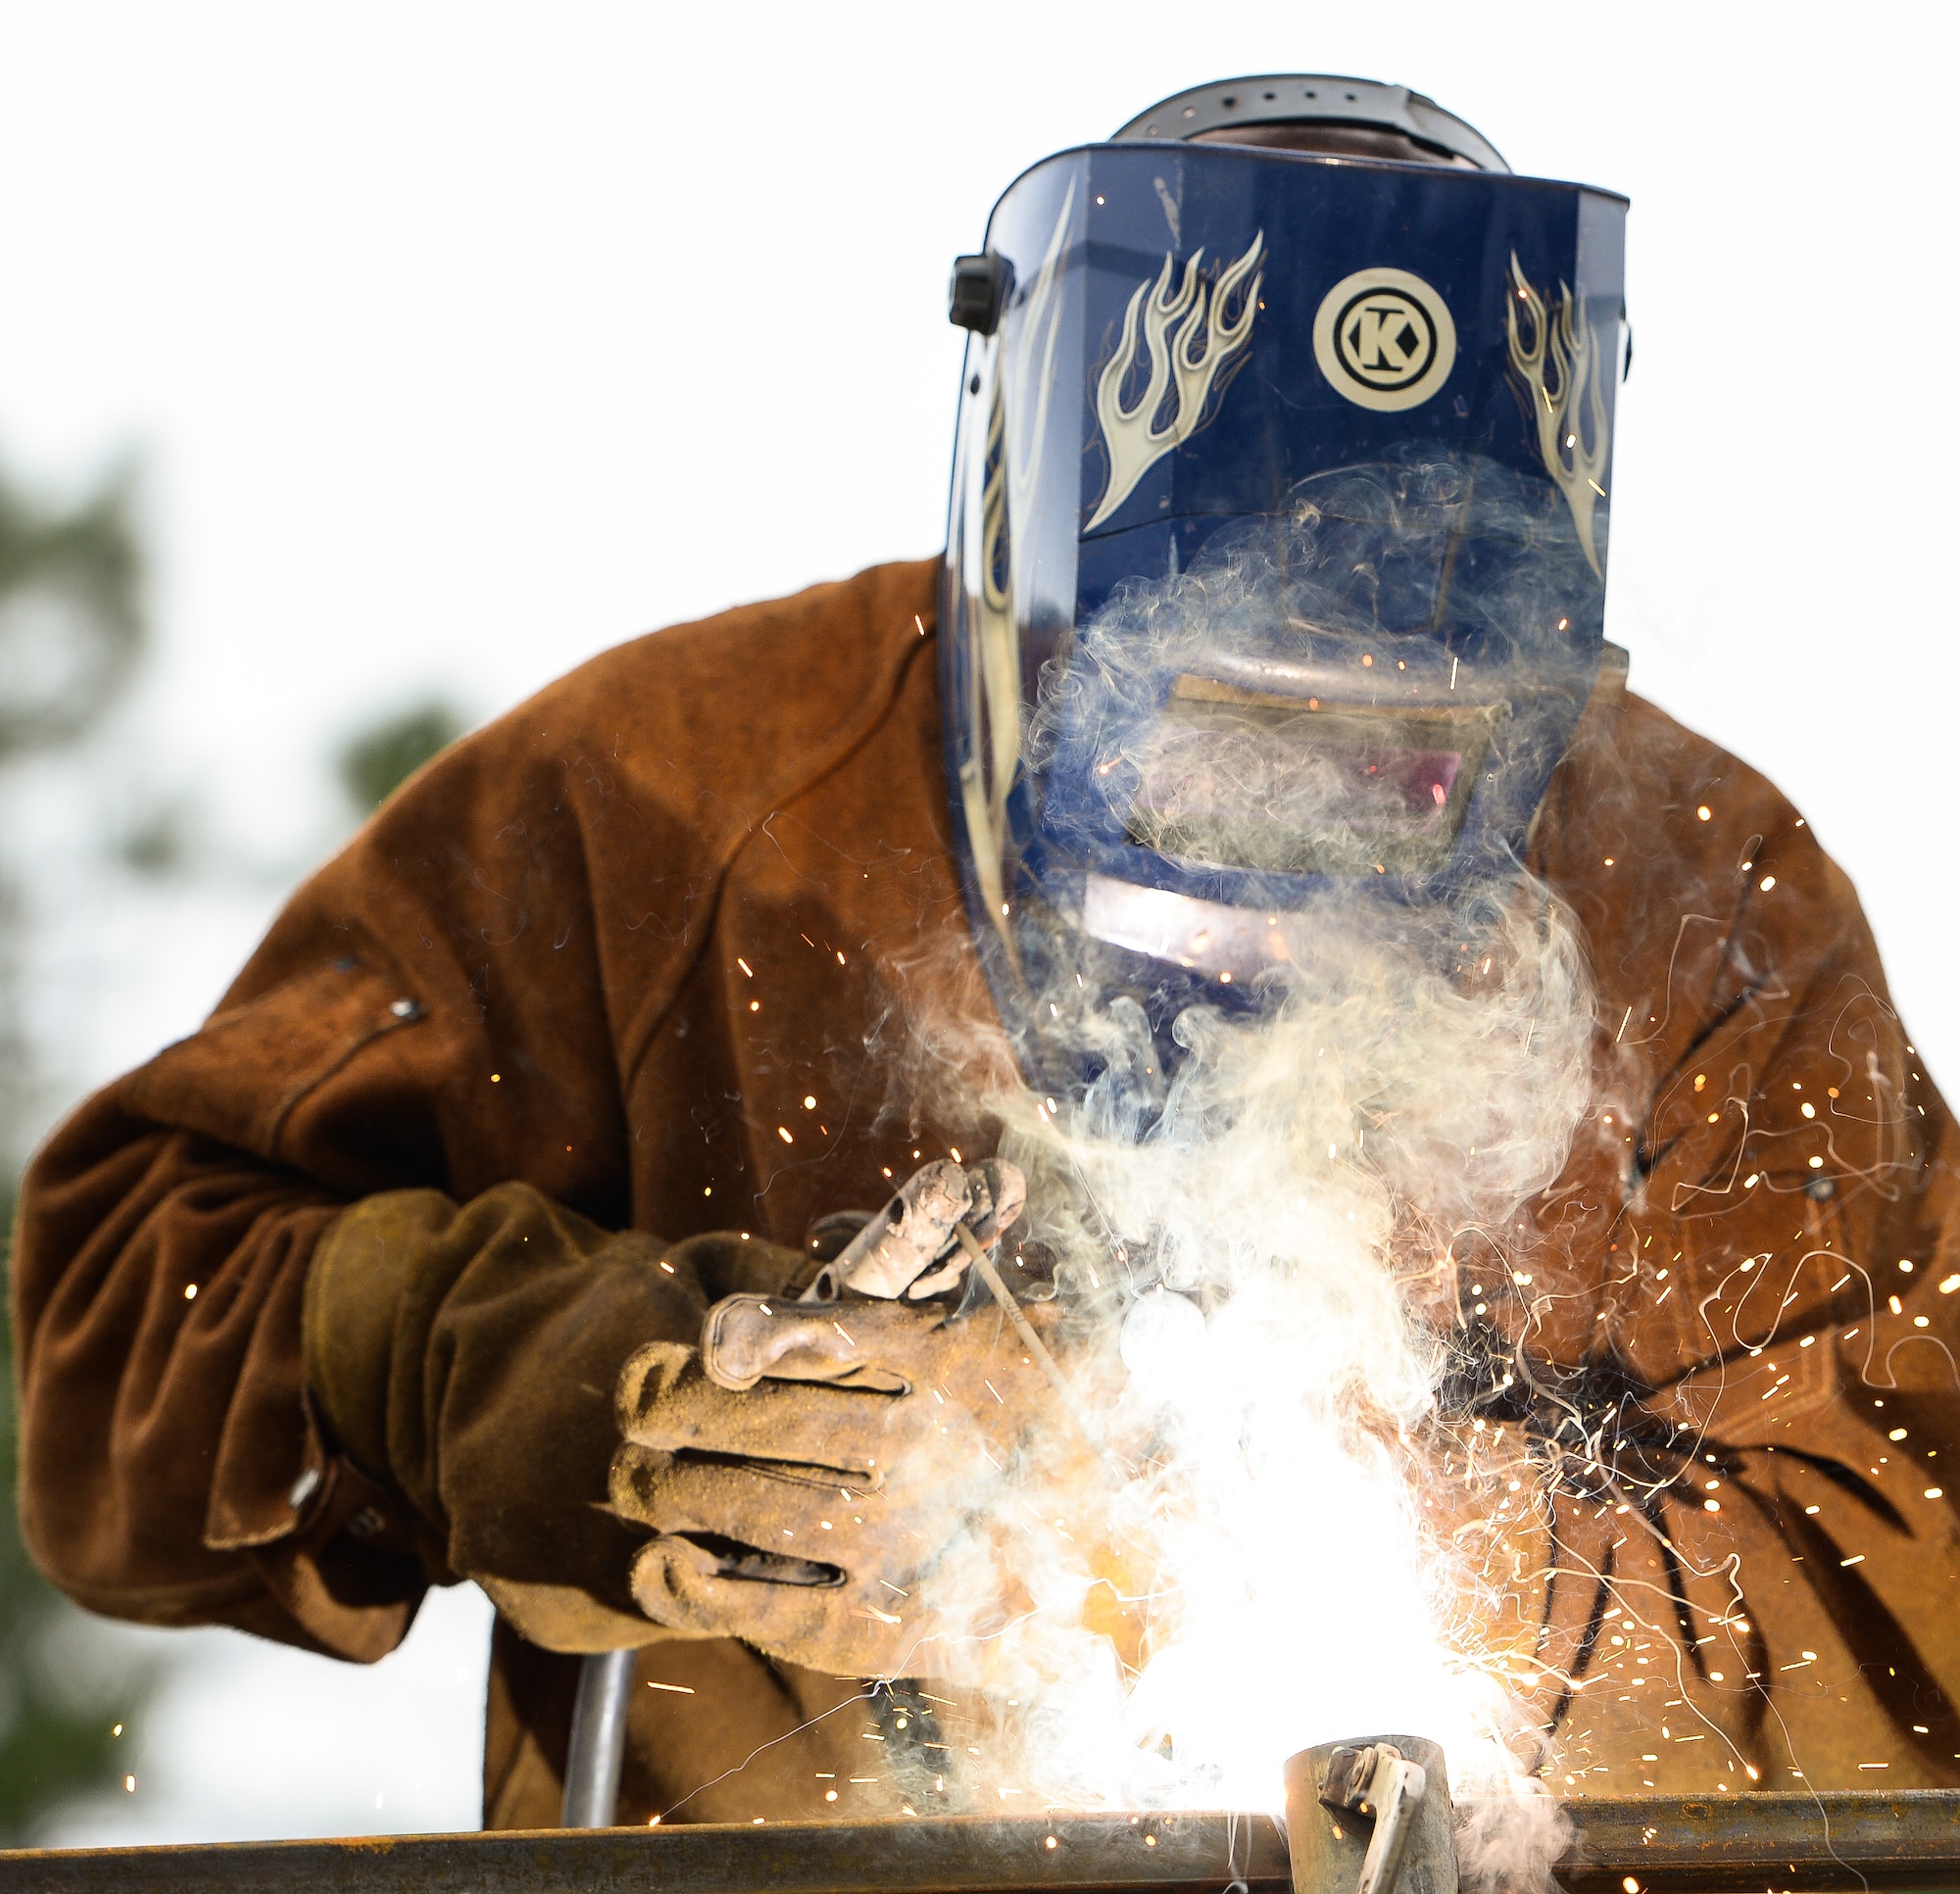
465, 1358
808, 1466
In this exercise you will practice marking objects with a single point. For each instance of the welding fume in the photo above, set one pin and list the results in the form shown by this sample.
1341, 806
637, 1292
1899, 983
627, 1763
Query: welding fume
1196, 1140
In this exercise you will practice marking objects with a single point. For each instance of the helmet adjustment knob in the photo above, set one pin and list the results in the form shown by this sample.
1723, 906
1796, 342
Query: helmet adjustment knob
977, 292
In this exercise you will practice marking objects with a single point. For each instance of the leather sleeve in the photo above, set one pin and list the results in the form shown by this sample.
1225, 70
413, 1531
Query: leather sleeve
1748, 1279
429, 1013
1760, 1117
450, 1005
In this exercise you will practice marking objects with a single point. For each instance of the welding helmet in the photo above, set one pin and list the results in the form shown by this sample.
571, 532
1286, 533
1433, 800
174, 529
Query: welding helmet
1276, 558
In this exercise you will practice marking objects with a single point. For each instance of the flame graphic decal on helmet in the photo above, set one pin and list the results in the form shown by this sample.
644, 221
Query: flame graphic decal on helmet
1186, 336
1024, 379
1558, 371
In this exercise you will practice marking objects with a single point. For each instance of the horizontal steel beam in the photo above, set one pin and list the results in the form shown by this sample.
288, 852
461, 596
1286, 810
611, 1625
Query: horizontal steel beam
1666, 1844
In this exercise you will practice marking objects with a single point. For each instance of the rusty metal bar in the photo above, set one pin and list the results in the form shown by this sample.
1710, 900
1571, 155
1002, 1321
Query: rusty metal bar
1666, 1844
1707, 1844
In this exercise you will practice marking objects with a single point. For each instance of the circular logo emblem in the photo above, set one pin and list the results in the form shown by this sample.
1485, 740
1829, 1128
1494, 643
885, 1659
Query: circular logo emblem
1385, 339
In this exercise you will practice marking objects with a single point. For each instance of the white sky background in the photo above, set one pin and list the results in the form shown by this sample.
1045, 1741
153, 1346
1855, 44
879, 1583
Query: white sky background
457, 343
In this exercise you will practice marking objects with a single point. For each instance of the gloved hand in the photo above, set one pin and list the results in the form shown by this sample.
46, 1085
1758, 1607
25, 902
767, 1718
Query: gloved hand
466, 1359
808, 1466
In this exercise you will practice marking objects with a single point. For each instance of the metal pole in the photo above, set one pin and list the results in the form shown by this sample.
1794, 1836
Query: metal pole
598, 1746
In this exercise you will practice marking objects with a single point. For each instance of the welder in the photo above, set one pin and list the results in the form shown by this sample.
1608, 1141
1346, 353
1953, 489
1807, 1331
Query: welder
469, 1237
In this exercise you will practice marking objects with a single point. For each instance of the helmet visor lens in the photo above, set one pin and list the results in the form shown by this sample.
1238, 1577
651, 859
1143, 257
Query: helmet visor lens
1230, 778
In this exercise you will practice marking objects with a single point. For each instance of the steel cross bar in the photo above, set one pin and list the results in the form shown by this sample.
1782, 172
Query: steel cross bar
1664, 1844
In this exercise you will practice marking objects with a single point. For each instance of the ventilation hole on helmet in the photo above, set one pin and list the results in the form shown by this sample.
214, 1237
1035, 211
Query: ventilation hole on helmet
1350, 95
1311, 93
1191, 112
1268, 95
1228, 101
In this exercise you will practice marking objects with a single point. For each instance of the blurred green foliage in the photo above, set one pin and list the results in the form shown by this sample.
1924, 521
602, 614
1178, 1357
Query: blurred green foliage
72, 631
377, 762
71, 614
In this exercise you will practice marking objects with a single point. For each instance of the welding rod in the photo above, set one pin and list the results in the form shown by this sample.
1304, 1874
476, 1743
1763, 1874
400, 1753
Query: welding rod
983, 1265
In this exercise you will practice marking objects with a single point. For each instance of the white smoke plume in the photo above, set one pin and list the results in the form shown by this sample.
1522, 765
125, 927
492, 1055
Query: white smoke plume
1267, 1531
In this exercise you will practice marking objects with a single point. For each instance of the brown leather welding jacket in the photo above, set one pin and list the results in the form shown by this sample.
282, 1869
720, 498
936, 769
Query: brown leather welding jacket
595, 960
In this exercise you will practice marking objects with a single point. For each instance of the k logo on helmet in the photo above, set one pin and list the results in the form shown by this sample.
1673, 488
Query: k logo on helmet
1385, 339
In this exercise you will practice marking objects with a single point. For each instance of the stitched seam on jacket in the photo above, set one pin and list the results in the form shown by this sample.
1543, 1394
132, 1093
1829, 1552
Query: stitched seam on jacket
313, 1080
655, 1009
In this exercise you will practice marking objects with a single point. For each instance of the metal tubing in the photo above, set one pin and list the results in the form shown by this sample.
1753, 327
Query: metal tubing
598, 1748
1337, 1849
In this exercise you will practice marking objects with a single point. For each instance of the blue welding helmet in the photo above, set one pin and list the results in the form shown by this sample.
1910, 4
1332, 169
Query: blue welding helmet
1276, 559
